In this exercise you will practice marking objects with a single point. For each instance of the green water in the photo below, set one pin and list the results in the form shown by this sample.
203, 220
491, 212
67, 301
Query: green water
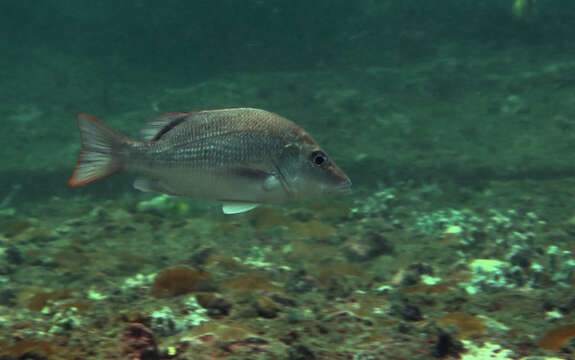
454, 119
457, 78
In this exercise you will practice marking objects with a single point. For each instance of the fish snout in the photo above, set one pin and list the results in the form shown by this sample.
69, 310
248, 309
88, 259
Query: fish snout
344, 187
340, 182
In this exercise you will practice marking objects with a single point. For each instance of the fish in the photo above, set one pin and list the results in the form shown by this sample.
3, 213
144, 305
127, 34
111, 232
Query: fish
241, 157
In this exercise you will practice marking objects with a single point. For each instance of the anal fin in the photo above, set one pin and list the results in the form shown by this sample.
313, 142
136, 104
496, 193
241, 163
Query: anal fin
238, 207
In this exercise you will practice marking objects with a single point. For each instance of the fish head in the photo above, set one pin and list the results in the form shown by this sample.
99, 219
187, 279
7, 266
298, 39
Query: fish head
308, 172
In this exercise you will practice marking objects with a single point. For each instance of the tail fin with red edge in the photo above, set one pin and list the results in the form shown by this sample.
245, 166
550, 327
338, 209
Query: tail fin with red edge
102, 153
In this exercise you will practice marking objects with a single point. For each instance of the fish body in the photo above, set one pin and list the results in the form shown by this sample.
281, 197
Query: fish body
240, 156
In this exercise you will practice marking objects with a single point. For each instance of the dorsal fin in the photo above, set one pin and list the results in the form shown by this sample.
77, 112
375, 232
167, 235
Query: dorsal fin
156, 128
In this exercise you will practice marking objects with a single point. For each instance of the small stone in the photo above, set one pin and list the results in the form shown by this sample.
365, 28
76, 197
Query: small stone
265, 307
367, 246
300, 352
14, 256
446, 345
411, 313
216, 305
139, 343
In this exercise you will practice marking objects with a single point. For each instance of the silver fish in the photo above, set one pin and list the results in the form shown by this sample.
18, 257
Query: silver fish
240, 156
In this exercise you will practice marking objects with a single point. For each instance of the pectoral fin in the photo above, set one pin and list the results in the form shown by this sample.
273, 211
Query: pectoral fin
152, 185
269, 180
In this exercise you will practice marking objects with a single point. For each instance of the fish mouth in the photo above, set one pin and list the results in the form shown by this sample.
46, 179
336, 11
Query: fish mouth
343, 188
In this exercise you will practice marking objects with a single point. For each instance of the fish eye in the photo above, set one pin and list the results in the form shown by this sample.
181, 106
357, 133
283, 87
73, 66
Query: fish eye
318, 158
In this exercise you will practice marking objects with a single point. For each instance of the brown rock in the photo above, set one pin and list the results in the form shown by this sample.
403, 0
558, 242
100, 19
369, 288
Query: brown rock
179, 280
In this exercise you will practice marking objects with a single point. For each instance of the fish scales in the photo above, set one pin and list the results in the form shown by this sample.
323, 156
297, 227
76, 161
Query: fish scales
206, 140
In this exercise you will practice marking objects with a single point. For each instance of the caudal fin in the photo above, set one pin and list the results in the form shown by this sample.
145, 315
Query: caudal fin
102, 151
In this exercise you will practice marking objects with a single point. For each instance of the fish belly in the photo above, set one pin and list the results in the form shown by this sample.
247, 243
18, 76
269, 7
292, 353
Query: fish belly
214, 184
